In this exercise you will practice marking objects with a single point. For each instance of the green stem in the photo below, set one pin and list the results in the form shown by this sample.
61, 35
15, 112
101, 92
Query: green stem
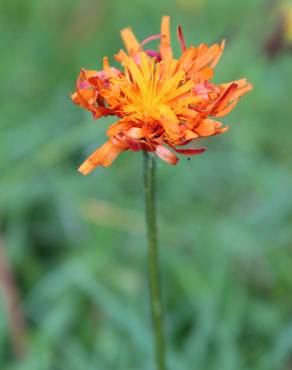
154, 277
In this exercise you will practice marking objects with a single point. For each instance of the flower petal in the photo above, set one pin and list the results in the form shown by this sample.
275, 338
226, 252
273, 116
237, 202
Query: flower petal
165, 47
216, 60
190, 151
169, 121
131, 43
181, 38
103, 156
227, 109
210, 55
190, 135
223, 100
166, 155
135, 133
206, 128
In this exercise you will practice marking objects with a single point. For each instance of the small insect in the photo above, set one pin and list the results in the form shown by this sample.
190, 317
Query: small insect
189, 158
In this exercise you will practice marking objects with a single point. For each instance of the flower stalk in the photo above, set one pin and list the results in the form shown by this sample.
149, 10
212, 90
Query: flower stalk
153, 257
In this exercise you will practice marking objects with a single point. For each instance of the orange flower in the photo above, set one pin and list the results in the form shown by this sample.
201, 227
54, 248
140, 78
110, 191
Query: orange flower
161, 102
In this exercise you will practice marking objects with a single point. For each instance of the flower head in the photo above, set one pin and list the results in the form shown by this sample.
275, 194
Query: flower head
162, 102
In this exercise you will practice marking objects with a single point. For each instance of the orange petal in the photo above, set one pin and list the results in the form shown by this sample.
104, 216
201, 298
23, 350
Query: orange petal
165, 47
88, 73
121, 56
88, 95
103, 156
216, 60
130, 41
117, 128
204, 74
209, 55
223, 100
166, 155
169, 121
221, 130
134, 144
240, 83
187, 58
135, 133
206, 128
107, 69
101, 112
227, 109
241, 91
75, 98
190, 135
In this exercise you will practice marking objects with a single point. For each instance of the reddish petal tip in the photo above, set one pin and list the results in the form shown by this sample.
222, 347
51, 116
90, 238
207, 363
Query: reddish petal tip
181, 38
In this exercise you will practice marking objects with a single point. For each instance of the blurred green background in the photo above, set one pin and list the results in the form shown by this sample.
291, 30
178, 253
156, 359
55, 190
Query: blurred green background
76, 246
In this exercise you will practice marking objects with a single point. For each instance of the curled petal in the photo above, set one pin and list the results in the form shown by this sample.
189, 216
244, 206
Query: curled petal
103, 156
150, 38
87, 93
82, 98
87, 99
166, 155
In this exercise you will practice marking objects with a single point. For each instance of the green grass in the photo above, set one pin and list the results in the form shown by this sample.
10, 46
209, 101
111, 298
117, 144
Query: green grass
77, 244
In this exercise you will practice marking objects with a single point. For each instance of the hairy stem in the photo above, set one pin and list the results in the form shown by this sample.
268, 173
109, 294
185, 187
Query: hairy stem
154, 276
